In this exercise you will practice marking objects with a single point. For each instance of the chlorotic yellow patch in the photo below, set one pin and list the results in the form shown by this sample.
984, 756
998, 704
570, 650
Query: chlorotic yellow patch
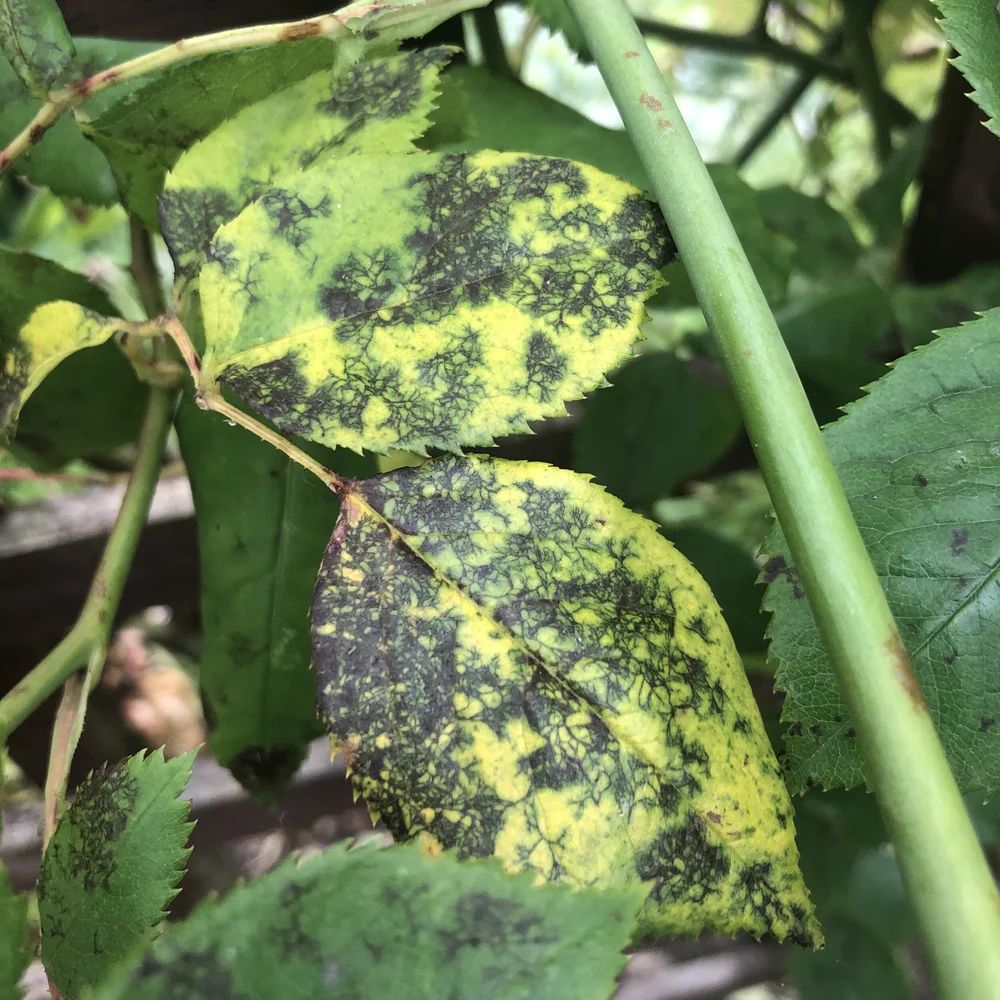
560, 690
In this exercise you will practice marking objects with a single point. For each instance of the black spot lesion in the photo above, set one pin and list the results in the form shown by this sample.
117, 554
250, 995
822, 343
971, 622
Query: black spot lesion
291, 215
189, 218
959, 539
778, 566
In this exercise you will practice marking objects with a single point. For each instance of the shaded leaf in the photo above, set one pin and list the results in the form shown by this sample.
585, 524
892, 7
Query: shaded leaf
361, 923
973, 29
64, 160
921, 310
112, 866
823, 238
376, 106
143, 136
14, 955
398, 20
921, 468
54, 332
34, 38
556, 16
428, 300
882, 202
263, 523
516, 665
661, 422
92, 401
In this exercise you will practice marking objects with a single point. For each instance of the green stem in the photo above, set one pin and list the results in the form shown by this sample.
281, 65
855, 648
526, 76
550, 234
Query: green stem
945, 873
491, 42
857, 35
784, 105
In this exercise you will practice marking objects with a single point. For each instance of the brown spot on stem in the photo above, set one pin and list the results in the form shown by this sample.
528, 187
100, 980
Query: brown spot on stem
665, 123
296, 32
37, 131
904, 671
651, 102
631, 54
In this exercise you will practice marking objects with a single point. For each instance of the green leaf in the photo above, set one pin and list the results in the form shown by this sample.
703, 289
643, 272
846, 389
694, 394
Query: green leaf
14, 955
824, 242
835, 334
922, 309
92, 401
263, 523
144, 135
34, 38
54, 332
556, 16
64, 160
921, 467
377, 106
516, 665
363, 923
112, 866
426, 300
882, 202
662, 421
973, 28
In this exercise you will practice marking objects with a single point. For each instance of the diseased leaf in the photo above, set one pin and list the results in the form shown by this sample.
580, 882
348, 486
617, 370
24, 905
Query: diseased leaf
428, 300
363, 923
92, 401
973, 29
920, 464
401, 19
14, 956
34, 38
556, 16
263, 523
661, 422
111, 867
516, 665
54, 332
376, 106
143, 136
64, 160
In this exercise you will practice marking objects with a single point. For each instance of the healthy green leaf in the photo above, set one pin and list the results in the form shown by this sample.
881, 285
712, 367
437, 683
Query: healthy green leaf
662, 421
516, 665
92, 401
556, 16
824, 242
14, 956
428, 300
111, 867
882, 202
143, 135
920, 464
922, 309
263, 523
64, 160
973, 29
54, 332
370, 924
34, 38
376, 106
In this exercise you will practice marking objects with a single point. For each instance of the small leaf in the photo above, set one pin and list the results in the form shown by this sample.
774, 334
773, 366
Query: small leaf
143, 135
377, 106
14, 955
428, 300
973, 28
662, 421
33, 36
920, 463
92, 402
556, 16
112, 866
516, 665
263, 523
370, 924
64, 160
54, 332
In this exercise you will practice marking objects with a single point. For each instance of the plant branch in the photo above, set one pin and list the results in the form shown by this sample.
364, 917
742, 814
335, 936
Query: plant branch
491, 42
142, 267
946, 876
331, 26
784, 105
857, 35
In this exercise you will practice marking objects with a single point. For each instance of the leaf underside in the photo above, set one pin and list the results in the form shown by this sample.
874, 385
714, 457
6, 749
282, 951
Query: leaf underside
375, 106
516, 665
428, 300
111, 867
362, 923
920, 463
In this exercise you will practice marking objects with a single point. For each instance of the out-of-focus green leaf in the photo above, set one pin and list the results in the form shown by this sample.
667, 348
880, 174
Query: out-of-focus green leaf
34, 38
882, 202
661, 422
973, 29
922, 310
557, 17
